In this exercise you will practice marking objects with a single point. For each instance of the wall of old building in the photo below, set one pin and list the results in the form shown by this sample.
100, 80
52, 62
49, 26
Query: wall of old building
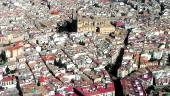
95, 24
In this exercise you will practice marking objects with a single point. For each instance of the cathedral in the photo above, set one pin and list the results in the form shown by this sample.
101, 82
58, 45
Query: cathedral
98, 24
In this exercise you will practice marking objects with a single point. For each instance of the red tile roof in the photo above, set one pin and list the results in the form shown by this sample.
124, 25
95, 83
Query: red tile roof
98, 89
17, 45
55, 12
73, 94
42, 79
47, 87
58, 94
48, 57
14, 48
118, 24
69, 89
7, 78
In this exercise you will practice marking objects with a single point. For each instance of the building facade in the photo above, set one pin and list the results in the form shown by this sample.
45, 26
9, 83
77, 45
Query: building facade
97, 24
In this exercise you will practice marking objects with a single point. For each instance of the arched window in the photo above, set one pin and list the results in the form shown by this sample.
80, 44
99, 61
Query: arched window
98, 29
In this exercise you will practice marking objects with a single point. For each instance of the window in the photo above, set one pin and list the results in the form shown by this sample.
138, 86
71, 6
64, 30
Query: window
98, 29
93, 23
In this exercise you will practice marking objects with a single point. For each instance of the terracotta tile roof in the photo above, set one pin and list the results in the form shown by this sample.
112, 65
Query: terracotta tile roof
55, 12
69, 89
7, 78
14, 48
58, 94
98, 89
48, 57
47, 87
42, 79
118, 24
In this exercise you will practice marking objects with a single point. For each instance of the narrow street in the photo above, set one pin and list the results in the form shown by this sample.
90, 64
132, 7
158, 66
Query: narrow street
113, 69
18, 86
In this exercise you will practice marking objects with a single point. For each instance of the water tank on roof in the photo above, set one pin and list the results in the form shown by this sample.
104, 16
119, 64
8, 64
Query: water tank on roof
88, 60
132, 10
121, 3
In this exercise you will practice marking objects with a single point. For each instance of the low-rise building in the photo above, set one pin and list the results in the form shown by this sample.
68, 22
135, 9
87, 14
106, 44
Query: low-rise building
8, 82
96, 89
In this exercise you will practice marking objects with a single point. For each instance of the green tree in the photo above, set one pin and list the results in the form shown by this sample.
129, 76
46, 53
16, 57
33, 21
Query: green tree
38, 83
81, 42
58, 63
8, 71
152, 56
2, 62
3, 56
13, 71
33, 90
